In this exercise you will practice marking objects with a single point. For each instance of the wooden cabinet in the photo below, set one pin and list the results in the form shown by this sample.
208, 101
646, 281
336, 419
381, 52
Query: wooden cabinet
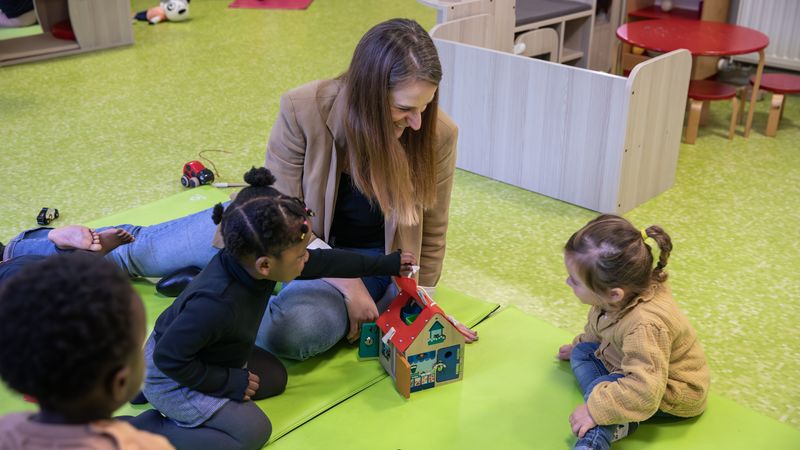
97, 24
710, 10
571, 20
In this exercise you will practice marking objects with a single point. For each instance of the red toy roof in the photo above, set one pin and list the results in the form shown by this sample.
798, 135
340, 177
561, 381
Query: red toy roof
404, 334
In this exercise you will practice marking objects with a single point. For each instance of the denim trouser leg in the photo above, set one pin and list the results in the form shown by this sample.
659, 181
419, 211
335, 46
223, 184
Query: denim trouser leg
308, 317
590, 371
168, 246
31, 242
158, 249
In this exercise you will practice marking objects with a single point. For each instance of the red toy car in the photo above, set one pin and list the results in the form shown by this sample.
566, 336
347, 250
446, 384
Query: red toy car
196, 174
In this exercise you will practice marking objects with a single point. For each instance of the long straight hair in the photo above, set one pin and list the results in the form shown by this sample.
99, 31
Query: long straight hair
397, 174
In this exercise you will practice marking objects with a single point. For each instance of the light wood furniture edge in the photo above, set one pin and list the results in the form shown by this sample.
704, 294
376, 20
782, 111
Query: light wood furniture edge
97, 24
657, 102
599, 141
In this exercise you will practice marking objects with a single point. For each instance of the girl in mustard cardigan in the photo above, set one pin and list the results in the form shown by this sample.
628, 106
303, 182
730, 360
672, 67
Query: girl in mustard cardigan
638, 356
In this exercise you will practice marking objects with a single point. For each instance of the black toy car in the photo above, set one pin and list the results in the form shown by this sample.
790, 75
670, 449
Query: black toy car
47, 215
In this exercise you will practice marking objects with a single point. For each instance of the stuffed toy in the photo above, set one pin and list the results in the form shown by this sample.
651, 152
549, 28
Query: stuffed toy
172, 10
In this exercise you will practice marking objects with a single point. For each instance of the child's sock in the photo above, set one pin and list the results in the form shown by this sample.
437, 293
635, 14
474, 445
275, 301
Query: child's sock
140, 399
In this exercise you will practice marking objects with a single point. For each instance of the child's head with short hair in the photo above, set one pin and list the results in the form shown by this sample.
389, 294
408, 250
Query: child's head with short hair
609, 260
71, 336
265, 230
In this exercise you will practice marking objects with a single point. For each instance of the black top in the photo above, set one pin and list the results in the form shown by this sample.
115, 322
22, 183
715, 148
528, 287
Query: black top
356, 223
15, 8
12, 266
204, 339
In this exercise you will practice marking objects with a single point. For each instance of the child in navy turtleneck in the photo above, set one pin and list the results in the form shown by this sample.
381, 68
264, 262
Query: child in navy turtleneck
202, 365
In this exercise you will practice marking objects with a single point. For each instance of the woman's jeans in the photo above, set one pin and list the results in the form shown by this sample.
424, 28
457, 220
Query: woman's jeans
308, 317
305, 319
158, 249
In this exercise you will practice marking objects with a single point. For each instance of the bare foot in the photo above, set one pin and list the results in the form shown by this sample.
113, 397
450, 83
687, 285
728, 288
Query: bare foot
75, 237
79, 237
113, 238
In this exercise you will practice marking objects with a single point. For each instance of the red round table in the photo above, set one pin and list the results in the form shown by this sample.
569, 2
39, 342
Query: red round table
701, 38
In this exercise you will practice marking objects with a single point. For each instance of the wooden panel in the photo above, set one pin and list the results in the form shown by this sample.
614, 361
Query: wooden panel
501, 20
562, 131
630, 60
101, 24
538, 42
549, 128
31, 48
715, 10
50, 12
402, 380
657, 90
475, 30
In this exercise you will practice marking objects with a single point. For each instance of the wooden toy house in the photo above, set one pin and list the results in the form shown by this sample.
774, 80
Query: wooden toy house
419, 345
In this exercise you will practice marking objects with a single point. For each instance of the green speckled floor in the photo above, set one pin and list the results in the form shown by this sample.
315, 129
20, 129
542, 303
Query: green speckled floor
104, 132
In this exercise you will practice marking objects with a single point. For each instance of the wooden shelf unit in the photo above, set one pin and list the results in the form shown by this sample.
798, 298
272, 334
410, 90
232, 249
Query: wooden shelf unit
97, 24
709, 10
574, 34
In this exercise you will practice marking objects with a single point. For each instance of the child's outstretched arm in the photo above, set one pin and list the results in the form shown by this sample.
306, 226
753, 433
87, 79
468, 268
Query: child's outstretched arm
333, 263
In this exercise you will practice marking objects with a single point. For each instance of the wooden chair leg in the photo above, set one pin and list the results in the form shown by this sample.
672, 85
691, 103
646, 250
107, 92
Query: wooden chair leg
734, 117
774, 115
693, 123
783, 106
742, 103
704, 112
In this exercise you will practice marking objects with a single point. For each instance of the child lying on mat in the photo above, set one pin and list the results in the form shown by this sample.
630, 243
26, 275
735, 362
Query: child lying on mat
202, 367
638, 356
71, 337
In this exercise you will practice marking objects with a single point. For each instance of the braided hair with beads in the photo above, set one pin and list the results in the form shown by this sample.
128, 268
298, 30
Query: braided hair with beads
261, 221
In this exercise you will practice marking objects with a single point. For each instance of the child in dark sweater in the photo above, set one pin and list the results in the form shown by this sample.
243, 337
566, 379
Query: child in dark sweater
203, 369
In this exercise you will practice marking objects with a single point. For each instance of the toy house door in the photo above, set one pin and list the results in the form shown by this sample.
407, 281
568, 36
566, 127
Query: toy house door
447, 362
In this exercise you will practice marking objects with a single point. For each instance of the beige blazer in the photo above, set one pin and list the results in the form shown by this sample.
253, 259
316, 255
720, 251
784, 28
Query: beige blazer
306, 152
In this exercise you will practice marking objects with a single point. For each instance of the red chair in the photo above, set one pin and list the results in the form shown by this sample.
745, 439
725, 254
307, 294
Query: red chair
703, 91
779, 84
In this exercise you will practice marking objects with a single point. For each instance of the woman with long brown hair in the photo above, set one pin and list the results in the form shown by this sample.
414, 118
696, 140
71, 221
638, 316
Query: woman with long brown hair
370, 153
373, 155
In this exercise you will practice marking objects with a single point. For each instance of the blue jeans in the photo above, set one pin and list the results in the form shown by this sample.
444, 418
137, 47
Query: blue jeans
308, 317
590, 371
158, 249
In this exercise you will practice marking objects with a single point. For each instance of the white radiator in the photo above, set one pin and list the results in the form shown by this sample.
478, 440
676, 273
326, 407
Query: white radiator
780, 21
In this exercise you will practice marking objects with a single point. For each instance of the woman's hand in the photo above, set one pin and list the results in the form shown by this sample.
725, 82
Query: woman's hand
564, 352
407, 263
252, 386
360, 306
469, 334
360, 309
581, 420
